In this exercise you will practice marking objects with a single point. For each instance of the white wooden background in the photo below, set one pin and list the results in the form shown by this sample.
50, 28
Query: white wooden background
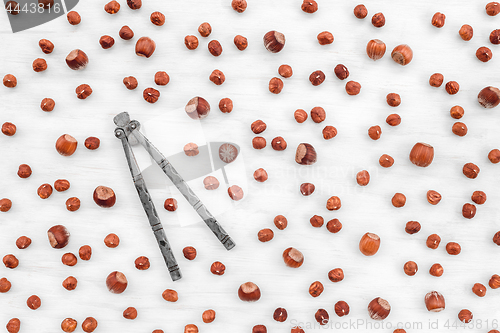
425, 117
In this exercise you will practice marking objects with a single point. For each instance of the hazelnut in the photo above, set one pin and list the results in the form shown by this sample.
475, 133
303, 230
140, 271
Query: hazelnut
393, 119
197, 108
10, 81
393, 99
116, 282
300, 116
433, 197
260, 175
151, 95
280, 315
322, 317
363, 178
235, 193
34, 302
145, 47
375, 132
73, 204
494, 156
239, 5
468, 211
399, 200
249, 292
479, 289
379, 309
334, 226
466, 32
459, 129
479, 197
191, 328
134, 4
307, 189
191, 149
470, 170
205, 29
130, 313
162, 78
495, 37
293, 257
494, 282
258, 126
285, 71
305, 154
360, 11
433, 241
189, 252
265, 235
106, 42
402, 54
333, 203
410, 268
275, 85
10, 261
104, 197
142, 263
13, 325
336, 275
325, 38
70, 283
457, 112
44, 191
438, 20
317, 78
208, 316
279, 143
226, 105
69, 325
329, 132
218, 268
386, 161
126, 33
211, 183
24, 171
316, 221
422, 154
352, 88
66, 145
92, 143
318, 114
74, 18
453, 248
39, 65
5, 285
69, 259
280, 222
77, 60
240, 42
412, 227
465, 316
13, 8
9, 129
496, 238
23, 242
83, 91
228, 152
157, 18
5, 205
191, 42
436, 270
309, 6
61, 185
47, 104
215, 48
489, 97
89, 324
130, 82
274, 41
112, 7
85, 252
378, 20
316, 288
341, 72
492, 8
112, 241
46, 46
484, 54
217, 77
369, 244
58, 236
452, 87
341, 308
436, 80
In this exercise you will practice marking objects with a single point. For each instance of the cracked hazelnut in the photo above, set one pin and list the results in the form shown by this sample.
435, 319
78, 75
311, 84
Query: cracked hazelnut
352, 88
89, 324
116, 282
457, 112
436, 80
402, 54
316, 221
104, 197
126, 33
162, 78
393, 119
5, 205
260, 175
235, 193
23, 242
494, 282
13, 8
494, 156
422, 154
318, 114
197, 108
341, 72
44, 191
9, 129
191, 42
378, 20
33, 302
479, 197
69, 259
433, 197
191, 149
205, 29
112, 241
151, 95
305, 154
293, 257
285, 71
336, 275
77, 59
226, 105
280, 222
279, 143
369, 244
479, 289
145, 47
265, 235
489, 97
275, 85
470, 170
189, 252
5, 285
83, 91
386, 161
341, 308
112, 7
239, 5
218, 268
106, 42
307, 189
300, 116
412, 227
322, 317
58, 236
10, 81
436, 270
70, 283
465, 316
466, 32
333, 203
468, 211
85, 252
274, 41
92, 143
329, 132
438, 20
280, 315
325, 38
259, 142
46, 46
484, 54
10, 261
309, 6
363, 178
208, 316
375, 132
73, 18
334, 226
375, 49
157, 18
61, 185
130, 82
240, 42
130, 313
410, 268
452, 87
215, 48
316, 78
217, 77
73, 204
142, 263
249, 292
360, 11
453, 248
495, 37
13, 325
379, 309
47, 104
316, 288
258, 126
66, 145
24, 171
134, 4
398, 200
211, 183
39, 65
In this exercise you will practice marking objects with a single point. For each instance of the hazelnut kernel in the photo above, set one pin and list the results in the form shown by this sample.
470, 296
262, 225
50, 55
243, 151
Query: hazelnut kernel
412, 227
341, 308
466, 32
205, 29
322, 316
334, 226
360, 11
10, 81
333, 203
83, 91
280, 315
217, 77
226, 105
73, 204
107, 42
484, 54
352, 88
278, 143
265, 235
495, 37
479, 197
433, 241
316, 78
170, 204
307, 189
191, 328
336, 275
259, 126
24, 171
39, 65
316, 221
170, 295
151, 95
70, 283
130, 313
280, 222
436, 270
386, 161
470, 170
300, 116
23, 242
9, 129
10, 261
208, 316
218, 268
69, 325
393, 119
410, 268
398, 200
433, 197
260, 175
318, 114
34, 302
329, 132
465, 316
325, 38
162, 78
494, 156
92, 143
239, 5
5, 285
309, 6
112, 241
459, 129
112, 7
494, 282
240, 42
378, 20
438, 20
61, 185
47, 104
285, 71
235, 193
452, 87
189, 253
89, 324
46, 46
191, 42
258, 142
316, 288
44, 191
74, 18
126, 33
436, 80
142, 263
341, 72
468, 211
375, 132
492, 8
363, 178
393, 99
275, 85
69, 259
479, 289
211, 183
157, 18
85, 252
457, 112
215, 48
453, 248
13, 325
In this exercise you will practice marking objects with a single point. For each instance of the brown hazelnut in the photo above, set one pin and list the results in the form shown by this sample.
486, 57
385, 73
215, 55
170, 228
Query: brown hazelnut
116, 282
191, 42
265, 235
260, 175
325, 38
274, 41
305, 154
307, 189
494, 282
293, 257
317, 78
134, 4
74, 18
58, 236
189, 252
162, 78
47, 104
453, 248
393, 119
352, 88
85, 252
280, 222
13, 8
360, 11
66, 145
494, 156
492, 8
191, 149
10, 261
145, 47
211, 183
378, 20
197, 108
13, 325
218, 268
73, 204
479, 289
279, 143
402, 54
438, 20
23, 242
92, 143
496, 238
375, 49
495, 37
375, 132
33, 302
459, 129
479, 197
436, 270
151, 95
393, 99
412, 227
104, 197
341, 72
452, 87
112, 7
205, 29
240, 42
69, 259
280, 315
5, 285
191, 328
398, 200
24, 171
106, 42
239, 5
46, 46
77, 60
130, 82
157, 18
285, 71
316, 288
336, 275
217, 77
300, 116
329, 132
126, 33
5, 205
9, 129
89, 324
258, 126
316, 221
142, 263
44, 191
130, 313
226, 105
69, 325
457, 112
309, 6
379, 309
433, 241
465, 316
249, 292
83, 91
235, 193
215, 48
433, 197
334, 226
410, 268
369, 244
322, 317
363, 178
386, 161
422, 154
112, 241
61, 185
484, 54
333, 203
489, 97
275, 85
39, 65
466, 32
70, 283
470, 170
10, 81
468, 211
318, 114
436, 80
341, 308
208, 316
